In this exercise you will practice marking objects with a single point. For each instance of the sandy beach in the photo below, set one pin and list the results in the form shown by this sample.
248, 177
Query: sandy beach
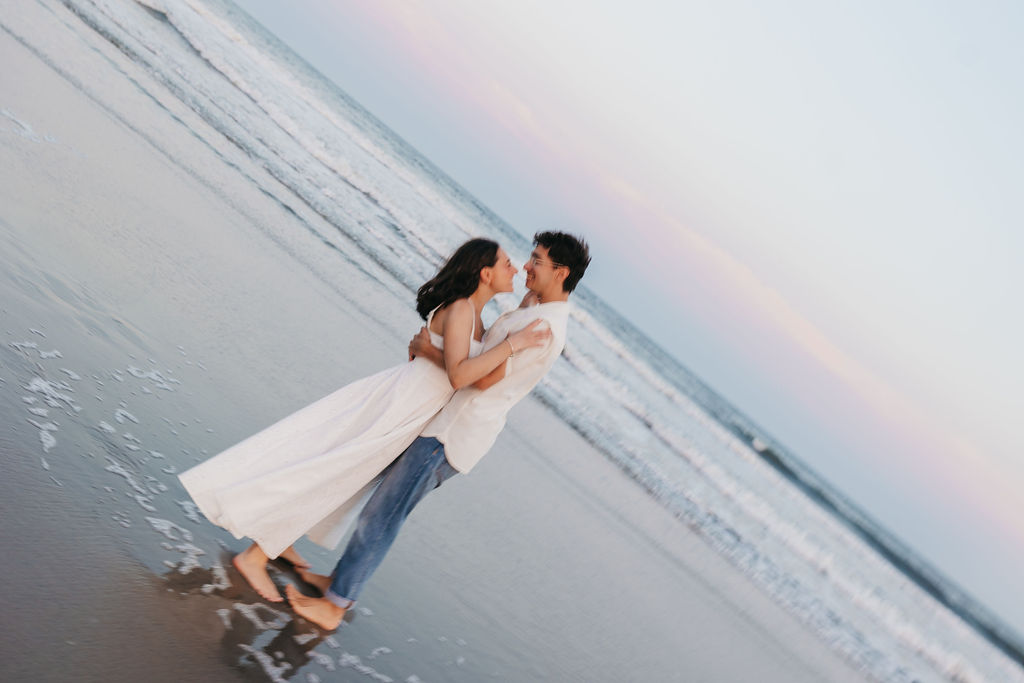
153, 314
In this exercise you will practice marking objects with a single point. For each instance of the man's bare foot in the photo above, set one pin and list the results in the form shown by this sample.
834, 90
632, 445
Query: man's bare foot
318, 580
251, 563
292, 557
320, 611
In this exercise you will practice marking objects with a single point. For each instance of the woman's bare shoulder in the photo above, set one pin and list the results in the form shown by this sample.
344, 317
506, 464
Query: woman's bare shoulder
460, 307
456, 310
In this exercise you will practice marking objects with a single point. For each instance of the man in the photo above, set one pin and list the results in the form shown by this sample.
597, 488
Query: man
461, 433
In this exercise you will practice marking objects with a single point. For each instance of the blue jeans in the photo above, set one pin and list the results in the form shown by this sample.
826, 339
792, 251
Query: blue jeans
421, 468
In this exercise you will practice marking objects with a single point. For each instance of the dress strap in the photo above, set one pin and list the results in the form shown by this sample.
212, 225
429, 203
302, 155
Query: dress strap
430, 317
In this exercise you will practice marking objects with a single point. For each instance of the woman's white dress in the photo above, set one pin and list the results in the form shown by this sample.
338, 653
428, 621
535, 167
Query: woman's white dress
309, 473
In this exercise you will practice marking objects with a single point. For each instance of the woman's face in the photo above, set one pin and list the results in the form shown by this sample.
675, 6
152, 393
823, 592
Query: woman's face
503, 272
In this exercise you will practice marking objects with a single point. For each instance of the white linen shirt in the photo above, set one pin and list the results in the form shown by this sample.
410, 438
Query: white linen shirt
473, 418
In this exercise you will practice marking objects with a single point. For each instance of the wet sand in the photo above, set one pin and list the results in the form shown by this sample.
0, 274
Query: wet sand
153, 314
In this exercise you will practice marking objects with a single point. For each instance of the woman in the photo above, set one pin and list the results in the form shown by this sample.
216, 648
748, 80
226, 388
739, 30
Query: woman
308, 473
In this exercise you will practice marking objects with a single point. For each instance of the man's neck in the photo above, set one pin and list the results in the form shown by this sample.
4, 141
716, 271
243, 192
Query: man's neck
552, 296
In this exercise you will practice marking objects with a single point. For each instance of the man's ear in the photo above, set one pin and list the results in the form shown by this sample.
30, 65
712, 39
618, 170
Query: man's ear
560, 275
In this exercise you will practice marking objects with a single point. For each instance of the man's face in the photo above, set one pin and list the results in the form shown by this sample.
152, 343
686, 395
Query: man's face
540, 269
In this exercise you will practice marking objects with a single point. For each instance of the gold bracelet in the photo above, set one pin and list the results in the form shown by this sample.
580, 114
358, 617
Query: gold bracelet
511, 347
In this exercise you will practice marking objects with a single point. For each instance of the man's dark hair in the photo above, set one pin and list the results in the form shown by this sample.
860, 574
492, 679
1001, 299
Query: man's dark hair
566, 250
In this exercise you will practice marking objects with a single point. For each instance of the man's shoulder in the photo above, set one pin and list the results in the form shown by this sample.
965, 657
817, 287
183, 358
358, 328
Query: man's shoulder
556, 310
545, 354
554, 317
555, 314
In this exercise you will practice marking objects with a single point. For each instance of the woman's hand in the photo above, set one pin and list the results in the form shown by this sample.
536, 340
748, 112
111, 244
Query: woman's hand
530, 299
530, 336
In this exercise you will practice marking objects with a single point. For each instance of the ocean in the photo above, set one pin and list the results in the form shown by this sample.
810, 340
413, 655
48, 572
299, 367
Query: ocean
393, 216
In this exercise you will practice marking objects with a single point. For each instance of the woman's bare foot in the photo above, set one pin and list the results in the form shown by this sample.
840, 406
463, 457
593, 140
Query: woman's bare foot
320, 611
317, 580
291, 556
251, 563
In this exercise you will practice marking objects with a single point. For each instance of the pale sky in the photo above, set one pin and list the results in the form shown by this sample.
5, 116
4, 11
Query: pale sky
813, 206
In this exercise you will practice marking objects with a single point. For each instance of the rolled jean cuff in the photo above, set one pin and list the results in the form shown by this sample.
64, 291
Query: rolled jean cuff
338, 600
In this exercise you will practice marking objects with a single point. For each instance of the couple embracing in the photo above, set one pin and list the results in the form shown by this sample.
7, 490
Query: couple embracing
369, 452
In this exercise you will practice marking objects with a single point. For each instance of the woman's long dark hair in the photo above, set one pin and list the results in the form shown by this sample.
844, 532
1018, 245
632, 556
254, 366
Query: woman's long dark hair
459, 276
